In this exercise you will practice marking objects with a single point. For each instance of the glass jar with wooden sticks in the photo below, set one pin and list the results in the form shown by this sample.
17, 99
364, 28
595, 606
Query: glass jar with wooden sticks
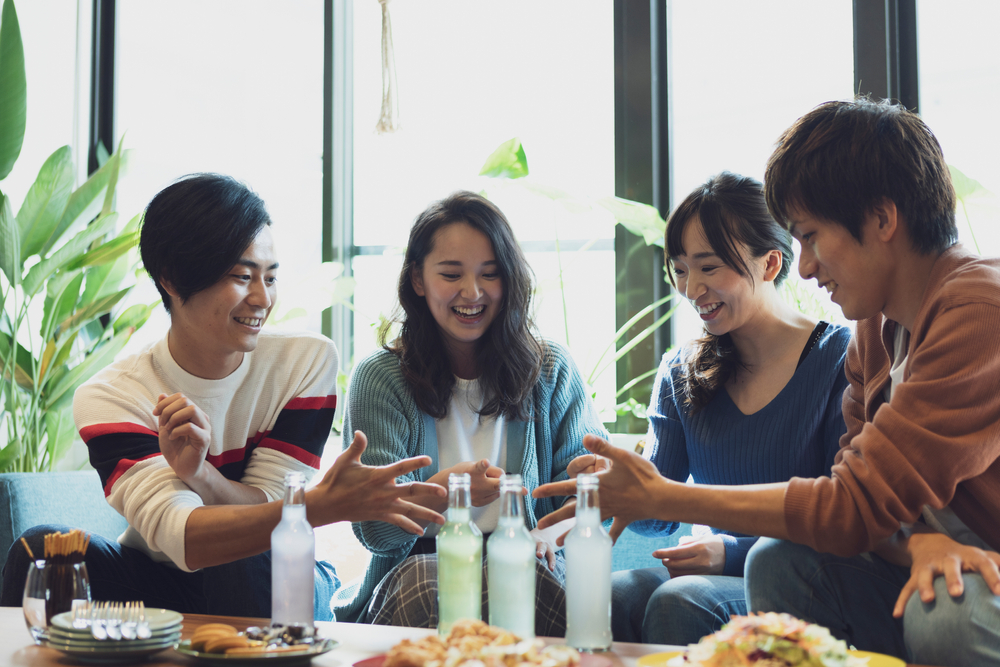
56, 583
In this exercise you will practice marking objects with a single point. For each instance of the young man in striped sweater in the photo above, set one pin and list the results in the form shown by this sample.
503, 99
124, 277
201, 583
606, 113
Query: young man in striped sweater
192, 437
897, 550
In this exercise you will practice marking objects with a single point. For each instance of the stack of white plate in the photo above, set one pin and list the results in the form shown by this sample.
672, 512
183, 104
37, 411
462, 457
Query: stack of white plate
165, 632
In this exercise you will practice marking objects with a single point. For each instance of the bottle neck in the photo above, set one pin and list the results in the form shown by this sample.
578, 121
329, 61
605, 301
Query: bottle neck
588, 506
459, 497
510, 506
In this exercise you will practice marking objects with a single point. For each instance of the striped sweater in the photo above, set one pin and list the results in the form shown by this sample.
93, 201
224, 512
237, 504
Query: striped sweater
272, 415
380, 404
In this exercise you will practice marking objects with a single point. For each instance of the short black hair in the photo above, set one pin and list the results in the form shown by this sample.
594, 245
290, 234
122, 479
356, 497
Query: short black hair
196, 229
843, 158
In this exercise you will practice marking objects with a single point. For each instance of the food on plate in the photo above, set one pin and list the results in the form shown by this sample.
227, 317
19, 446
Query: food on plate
221, 638
476, 644
770, 640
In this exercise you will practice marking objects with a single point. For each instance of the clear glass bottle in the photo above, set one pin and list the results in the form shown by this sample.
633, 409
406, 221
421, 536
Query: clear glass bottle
459, 558
293, 557
588, 573
510, 565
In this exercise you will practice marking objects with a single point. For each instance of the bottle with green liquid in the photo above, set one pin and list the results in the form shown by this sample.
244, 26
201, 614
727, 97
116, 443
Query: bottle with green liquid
459, 558
510, 560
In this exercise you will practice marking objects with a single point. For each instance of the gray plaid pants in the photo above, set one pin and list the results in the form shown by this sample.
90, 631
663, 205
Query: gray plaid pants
407, 596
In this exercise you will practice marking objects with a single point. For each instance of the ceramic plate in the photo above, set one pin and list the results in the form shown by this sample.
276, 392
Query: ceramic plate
84, 635
158, 619
112, 645
104, 655
586, 660
672, 659
223, 660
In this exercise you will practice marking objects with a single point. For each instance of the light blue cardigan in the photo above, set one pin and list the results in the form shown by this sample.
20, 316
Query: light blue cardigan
380, 405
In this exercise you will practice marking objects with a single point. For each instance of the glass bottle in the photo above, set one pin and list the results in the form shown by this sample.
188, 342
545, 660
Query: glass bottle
293, 557
588, 573
459, 558
510, 560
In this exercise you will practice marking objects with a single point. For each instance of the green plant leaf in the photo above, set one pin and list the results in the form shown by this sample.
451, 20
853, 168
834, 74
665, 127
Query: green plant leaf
61, 430
105, 278
965, 187
84, 204
13, 89
92, 311
57, 367
9, 455
113, 164
507, 161
641, 219
62, 393
10, 257
45, 202
132, 317
77, 245
23, 364
63, 293
106, 252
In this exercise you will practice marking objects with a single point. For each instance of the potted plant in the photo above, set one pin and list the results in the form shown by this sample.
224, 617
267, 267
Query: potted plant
62, 266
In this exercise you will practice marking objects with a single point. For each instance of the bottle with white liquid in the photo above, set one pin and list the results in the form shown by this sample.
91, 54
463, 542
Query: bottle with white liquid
510, 564
588, 573
459, 558
293, 557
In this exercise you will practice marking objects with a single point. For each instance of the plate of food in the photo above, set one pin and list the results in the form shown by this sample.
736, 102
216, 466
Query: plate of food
221, 644
476, 641
780, 638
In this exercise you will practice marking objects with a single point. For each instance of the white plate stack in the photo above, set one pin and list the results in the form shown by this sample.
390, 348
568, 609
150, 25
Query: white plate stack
164, 627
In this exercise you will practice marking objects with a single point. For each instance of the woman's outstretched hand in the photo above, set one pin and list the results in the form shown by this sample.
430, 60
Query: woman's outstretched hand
628, 491
352, 491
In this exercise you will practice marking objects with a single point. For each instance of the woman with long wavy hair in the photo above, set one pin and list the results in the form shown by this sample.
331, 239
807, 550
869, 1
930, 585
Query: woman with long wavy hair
757, 399
468, 382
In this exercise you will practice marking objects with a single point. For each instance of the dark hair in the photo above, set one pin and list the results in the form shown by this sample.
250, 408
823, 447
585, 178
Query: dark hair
509, 356
196, 229
736, 222
843, 158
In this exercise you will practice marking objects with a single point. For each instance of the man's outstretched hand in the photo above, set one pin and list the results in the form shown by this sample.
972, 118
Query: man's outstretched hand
352, 491
628, 490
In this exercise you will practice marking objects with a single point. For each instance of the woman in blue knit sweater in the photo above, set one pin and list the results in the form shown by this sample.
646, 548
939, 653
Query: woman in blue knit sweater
468, 383
756, 400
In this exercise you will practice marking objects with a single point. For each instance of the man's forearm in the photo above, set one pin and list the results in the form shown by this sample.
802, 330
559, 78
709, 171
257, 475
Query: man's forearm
753, 509
225, 533
215, 489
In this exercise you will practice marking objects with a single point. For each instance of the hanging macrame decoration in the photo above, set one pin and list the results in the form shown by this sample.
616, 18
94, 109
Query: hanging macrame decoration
388, 120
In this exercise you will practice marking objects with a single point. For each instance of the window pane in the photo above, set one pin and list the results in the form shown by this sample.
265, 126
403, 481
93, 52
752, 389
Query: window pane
742, 72
49, 34
471, 76
230, 86
959, 97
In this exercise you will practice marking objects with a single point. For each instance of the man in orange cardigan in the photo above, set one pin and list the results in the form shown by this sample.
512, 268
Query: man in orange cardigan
896, 551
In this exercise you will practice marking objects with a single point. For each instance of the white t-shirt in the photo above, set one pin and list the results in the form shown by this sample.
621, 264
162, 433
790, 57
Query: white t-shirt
463, 435
943, 520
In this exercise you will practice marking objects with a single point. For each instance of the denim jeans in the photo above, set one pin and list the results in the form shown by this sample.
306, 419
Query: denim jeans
240, 588
854, 598
648, 606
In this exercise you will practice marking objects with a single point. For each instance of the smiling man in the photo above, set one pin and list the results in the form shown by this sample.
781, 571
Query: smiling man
192, 437
896, 551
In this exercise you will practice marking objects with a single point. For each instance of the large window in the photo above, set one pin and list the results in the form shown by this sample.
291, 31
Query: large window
230, 86
959, 98
741, 74
470, 77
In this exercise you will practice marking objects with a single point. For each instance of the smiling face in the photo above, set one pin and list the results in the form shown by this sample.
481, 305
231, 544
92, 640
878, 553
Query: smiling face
724, 299
851, 272
460, 279
210, 332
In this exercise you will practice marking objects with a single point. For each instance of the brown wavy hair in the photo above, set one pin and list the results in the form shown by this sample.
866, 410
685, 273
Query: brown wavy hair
737, 224
509, 355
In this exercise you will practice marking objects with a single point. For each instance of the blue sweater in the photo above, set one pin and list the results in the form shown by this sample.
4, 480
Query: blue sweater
380, 404
795, 435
